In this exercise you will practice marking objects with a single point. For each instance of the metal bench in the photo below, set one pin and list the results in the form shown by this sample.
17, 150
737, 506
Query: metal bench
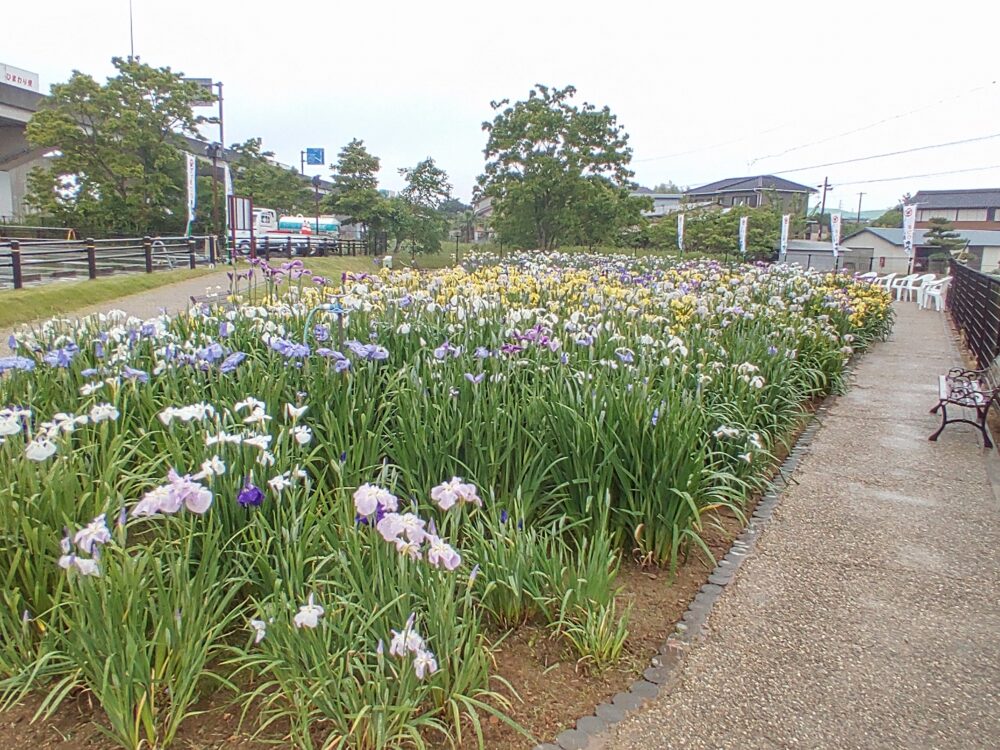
974, 390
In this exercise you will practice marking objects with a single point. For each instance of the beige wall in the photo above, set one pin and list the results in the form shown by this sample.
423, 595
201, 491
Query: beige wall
870, 246
991, 259
952, 214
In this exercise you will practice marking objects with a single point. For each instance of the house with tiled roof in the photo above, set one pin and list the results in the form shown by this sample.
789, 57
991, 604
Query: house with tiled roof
965, 209
754, 191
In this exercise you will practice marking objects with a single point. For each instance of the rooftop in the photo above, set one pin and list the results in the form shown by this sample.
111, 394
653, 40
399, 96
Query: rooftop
756, 182
978, 198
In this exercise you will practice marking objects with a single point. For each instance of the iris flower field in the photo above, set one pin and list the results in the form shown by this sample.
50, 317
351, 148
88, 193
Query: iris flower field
329, 500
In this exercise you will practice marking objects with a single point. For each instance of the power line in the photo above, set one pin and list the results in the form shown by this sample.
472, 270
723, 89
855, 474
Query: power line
875, 124
884, 120
888, 153
711, 146
917, 176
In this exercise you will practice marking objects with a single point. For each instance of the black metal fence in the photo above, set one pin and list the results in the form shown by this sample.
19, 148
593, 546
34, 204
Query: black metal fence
24, 261
311, 246
974, 304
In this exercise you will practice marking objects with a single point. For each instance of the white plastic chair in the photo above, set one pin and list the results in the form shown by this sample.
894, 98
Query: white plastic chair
868, 276
885, 281
912, 287
900, 283
935, 291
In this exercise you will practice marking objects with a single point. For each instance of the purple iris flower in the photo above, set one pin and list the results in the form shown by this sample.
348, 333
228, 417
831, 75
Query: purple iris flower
475, 379
89, 372
231, 362
321, 332
290, 349
251, 495
226, 329
16, 363
772, 350
61, 357
481, 353
504, 516
148, 329
99, 350
133, 374
212, 352
342, 365
12, 342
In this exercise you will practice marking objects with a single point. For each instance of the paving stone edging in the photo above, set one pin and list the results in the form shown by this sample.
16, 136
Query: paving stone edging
664, 670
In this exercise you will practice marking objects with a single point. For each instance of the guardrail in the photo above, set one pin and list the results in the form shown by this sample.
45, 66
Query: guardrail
25, 261
974, 304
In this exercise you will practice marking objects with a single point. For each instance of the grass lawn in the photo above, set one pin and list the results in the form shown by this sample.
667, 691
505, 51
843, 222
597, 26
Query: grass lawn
45, 301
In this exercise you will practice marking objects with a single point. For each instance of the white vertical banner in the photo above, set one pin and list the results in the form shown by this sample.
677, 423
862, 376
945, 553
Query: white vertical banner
909, 222
192, 188
835, 233
680, 232
744, 220
786, 222
227, 179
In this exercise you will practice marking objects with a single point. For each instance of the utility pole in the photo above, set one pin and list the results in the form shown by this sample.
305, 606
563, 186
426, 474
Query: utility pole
859, 207
822, 206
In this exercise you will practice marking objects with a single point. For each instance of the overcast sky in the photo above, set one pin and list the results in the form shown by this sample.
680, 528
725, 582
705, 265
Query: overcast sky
706, 90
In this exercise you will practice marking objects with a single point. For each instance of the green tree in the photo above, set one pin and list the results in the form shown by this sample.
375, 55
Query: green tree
541, 155
711, 231
118, 165
270, 185
894, 216
668, 187
355, 193
943, 238
427, 188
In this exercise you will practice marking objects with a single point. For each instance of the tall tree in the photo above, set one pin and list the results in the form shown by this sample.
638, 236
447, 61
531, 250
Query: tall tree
426, 184
541, 154
118, 166
270, 185
355, 193
427, 188
941, 236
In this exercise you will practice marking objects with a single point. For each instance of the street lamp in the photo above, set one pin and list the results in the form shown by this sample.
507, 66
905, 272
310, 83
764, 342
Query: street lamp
214, 151
315, 184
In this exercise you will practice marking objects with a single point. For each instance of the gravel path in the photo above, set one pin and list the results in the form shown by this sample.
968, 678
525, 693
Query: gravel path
171, 297
868, 615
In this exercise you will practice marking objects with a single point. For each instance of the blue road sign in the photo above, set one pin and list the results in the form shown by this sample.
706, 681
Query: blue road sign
315, 156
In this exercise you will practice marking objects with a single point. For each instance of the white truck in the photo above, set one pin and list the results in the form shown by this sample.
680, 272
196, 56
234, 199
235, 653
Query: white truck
299, 233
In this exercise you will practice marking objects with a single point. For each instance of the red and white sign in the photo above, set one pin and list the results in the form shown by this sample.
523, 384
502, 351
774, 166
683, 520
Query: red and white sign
909, 222
22, 79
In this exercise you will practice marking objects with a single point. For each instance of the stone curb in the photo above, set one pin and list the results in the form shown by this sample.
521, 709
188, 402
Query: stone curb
663, 672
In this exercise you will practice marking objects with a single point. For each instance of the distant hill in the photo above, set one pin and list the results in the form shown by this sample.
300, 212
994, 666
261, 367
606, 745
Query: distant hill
849, 215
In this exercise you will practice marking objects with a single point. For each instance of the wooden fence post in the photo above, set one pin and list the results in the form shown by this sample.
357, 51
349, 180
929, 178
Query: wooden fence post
15, 263
147, 251
212, 253
191, 258
91, 258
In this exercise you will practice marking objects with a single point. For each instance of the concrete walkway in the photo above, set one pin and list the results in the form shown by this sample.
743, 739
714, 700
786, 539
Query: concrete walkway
171, 297
869, 614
